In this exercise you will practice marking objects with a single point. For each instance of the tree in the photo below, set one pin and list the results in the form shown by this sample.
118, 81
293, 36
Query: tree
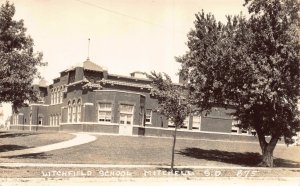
18, 61
171, 103
253, 65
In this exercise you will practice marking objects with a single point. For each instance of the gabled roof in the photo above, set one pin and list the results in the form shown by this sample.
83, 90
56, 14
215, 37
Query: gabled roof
87, 65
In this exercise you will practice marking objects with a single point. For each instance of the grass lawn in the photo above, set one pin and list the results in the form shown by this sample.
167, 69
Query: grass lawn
157, 151
145, 151
17, 140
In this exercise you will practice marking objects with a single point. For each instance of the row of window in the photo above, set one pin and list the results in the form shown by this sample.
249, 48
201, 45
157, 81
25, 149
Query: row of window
126, 116
196, 123
105, 113
236, 129
74, 111
54, 120
56, 96
15, 119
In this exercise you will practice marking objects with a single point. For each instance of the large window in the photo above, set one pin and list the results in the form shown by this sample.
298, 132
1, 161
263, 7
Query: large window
104, 112
16, 119
234, 128
74, 111
61, 94
52, 97
126, 114
69, 112
186, 123
196, 123
55, 96
58, 95
148, 119
171, 124
79, 110
51, 120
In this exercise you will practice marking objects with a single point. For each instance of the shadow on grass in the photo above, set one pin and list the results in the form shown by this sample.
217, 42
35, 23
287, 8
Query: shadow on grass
14, 135
6, 148
41, 155
286, 163
245, 159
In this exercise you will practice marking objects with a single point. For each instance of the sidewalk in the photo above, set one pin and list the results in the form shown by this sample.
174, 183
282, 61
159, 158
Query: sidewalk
79, 139
212, 181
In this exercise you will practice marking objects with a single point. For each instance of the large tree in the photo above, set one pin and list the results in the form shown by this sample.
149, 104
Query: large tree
18, 61
252, 64
172, 103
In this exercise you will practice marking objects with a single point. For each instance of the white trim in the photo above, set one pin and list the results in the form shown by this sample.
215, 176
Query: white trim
128, 92
47, 126
39, 104
193, 131
32, 125
89, 104
77, 82
129, 77
94, 123
216, 117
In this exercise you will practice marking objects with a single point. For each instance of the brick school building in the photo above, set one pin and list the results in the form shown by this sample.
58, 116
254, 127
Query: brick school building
88, 98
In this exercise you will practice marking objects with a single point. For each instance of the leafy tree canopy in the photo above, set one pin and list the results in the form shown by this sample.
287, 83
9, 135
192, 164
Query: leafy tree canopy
252, 64
171, 99
18, 61
172, 102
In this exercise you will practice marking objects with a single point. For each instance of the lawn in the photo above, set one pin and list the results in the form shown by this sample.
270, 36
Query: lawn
157, 151
17, 140
146, 151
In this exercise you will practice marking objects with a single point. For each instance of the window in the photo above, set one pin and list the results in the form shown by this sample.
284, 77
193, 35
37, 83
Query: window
184, 126
69, 112
126, 114
58, 95
104, 112
54, 120
57, 120
186, 123
16, 119
52, 97
51, 120
74, 111
148, 119
61, 94
234, 128
55, 96
196, 123
79, 110
171, 124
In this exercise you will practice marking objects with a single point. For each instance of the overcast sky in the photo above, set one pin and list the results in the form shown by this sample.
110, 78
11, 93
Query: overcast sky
126, 35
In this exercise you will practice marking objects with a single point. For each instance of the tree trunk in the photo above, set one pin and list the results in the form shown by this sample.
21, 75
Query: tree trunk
267, 150
267, 157
173, 149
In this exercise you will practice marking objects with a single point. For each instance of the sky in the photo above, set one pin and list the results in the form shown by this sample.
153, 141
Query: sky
125, 35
